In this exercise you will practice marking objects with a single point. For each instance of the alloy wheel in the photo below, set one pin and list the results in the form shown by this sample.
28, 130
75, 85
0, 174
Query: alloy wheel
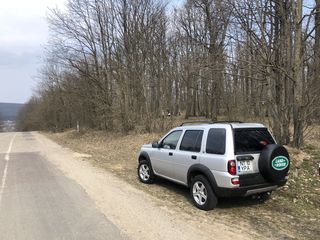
199, 193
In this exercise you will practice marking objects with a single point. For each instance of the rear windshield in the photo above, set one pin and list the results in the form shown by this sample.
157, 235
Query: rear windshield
251, 140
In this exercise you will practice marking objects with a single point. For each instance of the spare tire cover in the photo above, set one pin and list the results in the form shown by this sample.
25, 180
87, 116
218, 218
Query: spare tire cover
274, 162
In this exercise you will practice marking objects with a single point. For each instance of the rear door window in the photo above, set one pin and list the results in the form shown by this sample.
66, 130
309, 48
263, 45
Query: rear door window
216, 142
191, 141
252, 140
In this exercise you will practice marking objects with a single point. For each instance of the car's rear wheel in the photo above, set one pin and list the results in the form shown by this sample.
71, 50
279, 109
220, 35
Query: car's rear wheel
145, 172
202, 194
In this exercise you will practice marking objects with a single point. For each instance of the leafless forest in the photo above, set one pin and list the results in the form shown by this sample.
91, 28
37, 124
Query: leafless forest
115, 64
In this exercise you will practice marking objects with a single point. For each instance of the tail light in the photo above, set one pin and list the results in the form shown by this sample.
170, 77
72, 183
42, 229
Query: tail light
235, 181
232, 168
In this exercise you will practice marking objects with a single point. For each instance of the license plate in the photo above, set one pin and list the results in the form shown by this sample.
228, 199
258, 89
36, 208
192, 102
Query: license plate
244, 166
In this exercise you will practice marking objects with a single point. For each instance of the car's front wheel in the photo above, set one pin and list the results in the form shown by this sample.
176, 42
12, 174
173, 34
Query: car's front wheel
145, 172
202, 194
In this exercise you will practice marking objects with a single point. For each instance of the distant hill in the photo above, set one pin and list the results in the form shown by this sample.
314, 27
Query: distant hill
9, 111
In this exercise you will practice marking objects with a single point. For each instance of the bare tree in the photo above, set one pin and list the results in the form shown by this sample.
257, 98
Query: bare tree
112, 64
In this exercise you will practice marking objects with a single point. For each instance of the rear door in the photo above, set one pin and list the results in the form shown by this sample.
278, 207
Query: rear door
249, 143
187, 154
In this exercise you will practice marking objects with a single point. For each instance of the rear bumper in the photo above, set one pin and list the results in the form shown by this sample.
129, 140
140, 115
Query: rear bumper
248, 190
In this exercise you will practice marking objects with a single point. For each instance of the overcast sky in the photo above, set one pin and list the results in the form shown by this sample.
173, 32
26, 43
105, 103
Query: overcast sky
23, 32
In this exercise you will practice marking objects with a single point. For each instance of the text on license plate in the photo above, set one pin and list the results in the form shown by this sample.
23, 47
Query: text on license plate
244, 166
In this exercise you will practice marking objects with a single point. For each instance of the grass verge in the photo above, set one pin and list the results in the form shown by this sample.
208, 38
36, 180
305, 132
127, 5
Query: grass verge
291, 213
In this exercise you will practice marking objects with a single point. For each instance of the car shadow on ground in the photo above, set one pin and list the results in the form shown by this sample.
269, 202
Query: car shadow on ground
224, 203
238, 202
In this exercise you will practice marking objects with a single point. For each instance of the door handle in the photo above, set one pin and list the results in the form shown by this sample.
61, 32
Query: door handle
194, 157
170, 153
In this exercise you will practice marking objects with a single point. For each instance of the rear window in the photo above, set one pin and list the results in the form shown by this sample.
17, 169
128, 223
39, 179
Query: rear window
251, 140
216, 142
191, 141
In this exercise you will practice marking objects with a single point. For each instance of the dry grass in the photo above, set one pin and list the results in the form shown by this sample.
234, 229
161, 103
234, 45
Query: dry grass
113, 152
292, 212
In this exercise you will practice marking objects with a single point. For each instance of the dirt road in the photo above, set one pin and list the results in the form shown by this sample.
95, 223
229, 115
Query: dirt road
50, 193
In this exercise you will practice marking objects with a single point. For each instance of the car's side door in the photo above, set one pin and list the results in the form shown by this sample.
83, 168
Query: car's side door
188, 154
163, 156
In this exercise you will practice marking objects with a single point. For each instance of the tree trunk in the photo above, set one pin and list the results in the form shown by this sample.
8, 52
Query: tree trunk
298, 87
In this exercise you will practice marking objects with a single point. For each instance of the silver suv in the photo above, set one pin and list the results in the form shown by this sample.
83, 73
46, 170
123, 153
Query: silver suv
217, 159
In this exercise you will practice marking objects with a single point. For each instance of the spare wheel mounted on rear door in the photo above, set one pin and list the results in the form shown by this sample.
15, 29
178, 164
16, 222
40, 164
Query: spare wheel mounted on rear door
274, 162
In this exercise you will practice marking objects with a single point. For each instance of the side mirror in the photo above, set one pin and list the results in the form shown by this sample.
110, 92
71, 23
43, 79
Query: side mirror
155, 144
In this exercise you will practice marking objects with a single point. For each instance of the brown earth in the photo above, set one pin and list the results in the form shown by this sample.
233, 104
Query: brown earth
291, 213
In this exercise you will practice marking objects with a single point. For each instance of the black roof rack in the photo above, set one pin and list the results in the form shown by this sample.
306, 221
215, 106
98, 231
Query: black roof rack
200, 121
209, 122
230, 121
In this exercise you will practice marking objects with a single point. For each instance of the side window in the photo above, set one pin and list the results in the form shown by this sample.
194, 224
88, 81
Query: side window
191, 141
170, 142
216, 142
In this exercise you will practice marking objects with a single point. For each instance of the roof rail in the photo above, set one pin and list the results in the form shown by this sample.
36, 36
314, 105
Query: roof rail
200, 121
208, 122
230, 121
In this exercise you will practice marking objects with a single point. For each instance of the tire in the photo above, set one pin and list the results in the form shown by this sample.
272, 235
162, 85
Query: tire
202, 194
267, 163
145, 172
